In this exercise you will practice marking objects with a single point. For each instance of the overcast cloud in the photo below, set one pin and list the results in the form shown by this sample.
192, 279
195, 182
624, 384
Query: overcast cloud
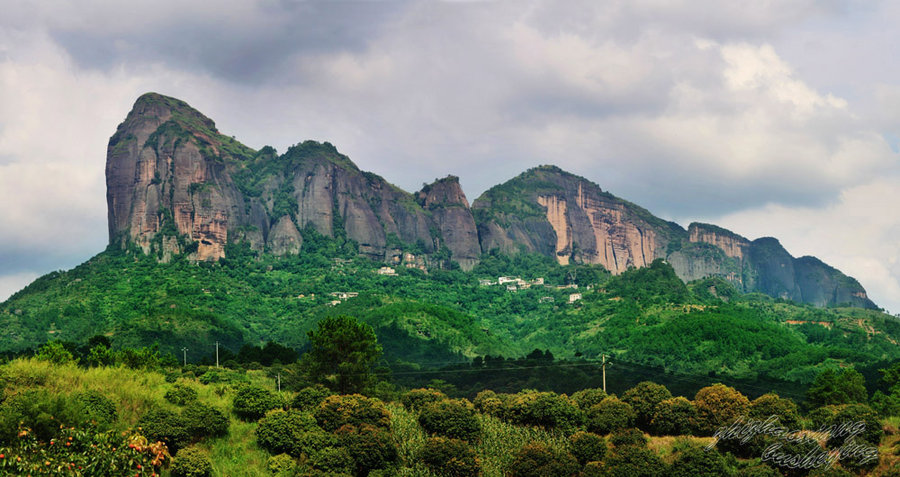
770, 118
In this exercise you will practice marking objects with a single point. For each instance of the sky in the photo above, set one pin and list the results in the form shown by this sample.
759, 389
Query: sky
768, 118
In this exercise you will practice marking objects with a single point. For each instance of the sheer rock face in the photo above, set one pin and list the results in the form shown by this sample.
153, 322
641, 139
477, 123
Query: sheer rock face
445, 201
549, 211
176, 185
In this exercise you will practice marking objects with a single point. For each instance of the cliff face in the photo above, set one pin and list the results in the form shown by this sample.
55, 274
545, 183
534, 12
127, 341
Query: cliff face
550, 211
445, 201
176, 185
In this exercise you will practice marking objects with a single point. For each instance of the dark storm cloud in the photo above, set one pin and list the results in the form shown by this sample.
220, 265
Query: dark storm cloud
256, 48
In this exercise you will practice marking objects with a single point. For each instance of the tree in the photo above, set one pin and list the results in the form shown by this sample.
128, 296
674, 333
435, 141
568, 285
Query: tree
643, 398
341, 355
832, 387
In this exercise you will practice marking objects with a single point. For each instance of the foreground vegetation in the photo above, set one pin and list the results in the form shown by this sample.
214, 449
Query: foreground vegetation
332, 413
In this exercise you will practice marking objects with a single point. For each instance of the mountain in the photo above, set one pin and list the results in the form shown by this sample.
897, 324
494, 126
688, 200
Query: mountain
558, 214
176, 185
212, 241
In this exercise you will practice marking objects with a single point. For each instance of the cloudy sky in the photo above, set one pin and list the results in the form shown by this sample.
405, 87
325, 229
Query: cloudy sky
769, 118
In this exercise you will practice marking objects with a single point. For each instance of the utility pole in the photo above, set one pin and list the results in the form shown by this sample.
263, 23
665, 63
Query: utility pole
217, 354
603, 362
184, 351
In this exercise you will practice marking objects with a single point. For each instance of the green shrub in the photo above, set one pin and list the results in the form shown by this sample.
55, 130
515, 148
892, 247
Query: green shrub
587, 447
588, 398
543, 409
634, 461
628, 437
771, 404
644, 398
674, 417
450, 457
695, 461
371, 447
333, 459
453, 418
251, 402
43, 413
490, 403
166, 426
309, 398
181, 394
282, 464
718, 405
96, 407
416, 399
353, 409
855, 418
204, 421
282, 431
55, 353
191, 462
537, 460
759, 470
609, 416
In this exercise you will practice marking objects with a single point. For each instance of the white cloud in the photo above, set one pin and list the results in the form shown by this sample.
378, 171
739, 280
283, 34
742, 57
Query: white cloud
691, 109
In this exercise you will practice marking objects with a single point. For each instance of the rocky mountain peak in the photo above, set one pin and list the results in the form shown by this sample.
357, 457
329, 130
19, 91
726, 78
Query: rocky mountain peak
176, 185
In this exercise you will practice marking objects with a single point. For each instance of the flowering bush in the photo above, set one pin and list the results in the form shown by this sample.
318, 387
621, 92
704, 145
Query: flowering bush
83, 452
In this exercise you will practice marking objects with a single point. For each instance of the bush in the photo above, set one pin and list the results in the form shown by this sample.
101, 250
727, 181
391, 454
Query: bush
416, 399
490, 403
760, 470
537, 460
181, 394
353, 409
587, 447
283, 431
588, 398
544, 409
309, 398
674, 417
166, 426
628, 437
191, 462
634, 461
718, 405
695, 461
371, 447
454, 418
56, 353
644, 398
96, 407
202, 421
43, 413
851, 419
609, 416
450, 457
251, 402
281, 464
771, 404
335, 460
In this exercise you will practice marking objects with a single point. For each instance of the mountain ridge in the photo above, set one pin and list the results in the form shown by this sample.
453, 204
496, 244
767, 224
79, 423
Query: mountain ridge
176, 185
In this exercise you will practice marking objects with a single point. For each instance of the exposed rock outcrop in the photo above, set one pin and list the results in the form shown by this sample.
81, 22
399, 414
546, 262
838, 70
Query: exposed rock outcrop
445, 201
176, 185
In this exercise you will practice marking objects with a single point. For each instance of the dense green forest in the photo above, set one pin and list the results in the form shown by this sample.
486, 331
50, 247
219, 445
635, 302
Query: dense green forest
92, 410
645, 319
